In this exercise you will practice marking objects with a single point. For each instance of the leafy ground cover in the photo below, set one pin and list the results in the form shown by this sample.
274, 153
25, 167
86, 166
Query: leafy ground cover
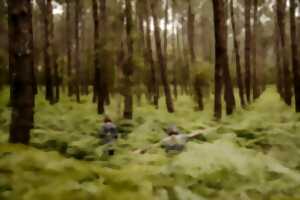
254, 154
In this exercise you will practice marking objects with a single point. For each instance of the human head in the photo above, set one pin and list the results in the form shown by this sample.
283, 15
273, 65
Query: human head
172, 130
107, 119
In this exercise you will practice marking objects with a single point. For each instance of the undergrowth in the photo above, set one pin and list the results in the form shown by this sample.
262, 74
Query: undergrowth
254, 154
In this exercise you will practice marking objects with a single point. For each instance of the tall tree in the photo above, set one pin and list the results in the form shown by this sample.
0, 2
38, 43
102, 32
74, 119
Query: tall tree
248, 75
69, 46
20, 61
279, 81
154, 82
76, 79
161, 60
228, 94
46, 8
287, 89
239, 74
220, 52
191, 31
166, 30
255, 84
295, 53
96, 50
128, 68
100, 84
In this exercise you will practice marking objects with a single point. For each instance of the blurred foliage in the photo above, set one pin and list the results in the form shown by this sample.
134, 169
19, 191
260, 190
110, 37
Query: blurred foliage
254, 154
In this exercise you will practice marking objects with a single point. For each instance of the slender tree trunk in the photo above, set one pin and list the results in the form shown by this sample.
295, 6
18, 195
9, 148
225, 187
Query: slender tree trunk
175, 53
248, 49
239, 74
48, 51
220, 53
77, 50
162, 64
21, 60
96, 50
69, 47
128, 69
154, 82
295, 54
54, 62
166, 31
56, 81
34, 81
255, 84
228, 95
191, 31
100, 83
277, 47
287, 86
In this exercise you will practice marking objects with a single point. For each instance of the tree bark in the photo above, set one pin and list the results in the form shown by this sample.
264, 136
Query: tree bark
191, 31
175, 53
154, 82
287, 89
248, 49
48, 50
255, 84
166, 31
20, 61
102, 83
228, 95
161, 60
295, 54
69, 47
220, 53
128, 68
77, 50
96, 50
239, 74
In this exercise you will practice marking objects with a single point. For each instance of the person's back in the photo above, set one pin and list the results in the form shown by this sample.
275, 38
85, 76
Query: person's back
175, 142
109, 132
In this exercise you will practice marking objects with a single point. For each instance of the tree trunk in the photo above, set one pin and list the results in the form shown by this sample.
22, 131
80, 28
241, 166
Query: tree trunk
255, 84
56, 81
287, 89
175, 53
162, 64
96, 51
228, 95
248, 49
239, 74
220, 53
128, 68
20, 61
103, 92
69, 47
295, 54
77, 50
279, 82
154, 82
166, 31
191, 31
48, 50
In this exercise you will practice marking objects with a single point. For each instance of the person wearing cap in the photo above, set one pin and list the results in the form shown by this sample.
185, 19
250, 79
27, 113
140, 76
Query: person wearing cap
175, 142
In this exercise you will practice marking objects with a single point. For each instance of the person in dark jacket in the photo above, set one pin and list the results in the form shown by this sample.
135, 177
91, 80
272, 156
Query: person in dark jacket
109, 134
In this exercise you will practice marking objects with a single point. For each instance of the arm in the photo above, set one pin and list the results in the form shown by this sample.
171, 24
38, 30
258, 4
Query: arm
198, 133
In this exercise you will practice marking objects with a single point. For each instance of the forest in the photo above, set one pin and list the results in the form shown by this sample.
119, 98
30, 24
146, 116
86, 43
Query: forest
149, 99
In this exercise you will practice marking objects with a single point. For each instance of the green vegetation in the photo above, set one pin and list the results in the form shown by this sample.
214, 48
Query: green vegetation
253, 154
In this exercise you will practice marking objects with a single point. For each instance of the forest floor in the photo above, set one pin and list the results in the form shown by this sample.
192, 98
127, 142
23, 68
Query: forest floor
254, 154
